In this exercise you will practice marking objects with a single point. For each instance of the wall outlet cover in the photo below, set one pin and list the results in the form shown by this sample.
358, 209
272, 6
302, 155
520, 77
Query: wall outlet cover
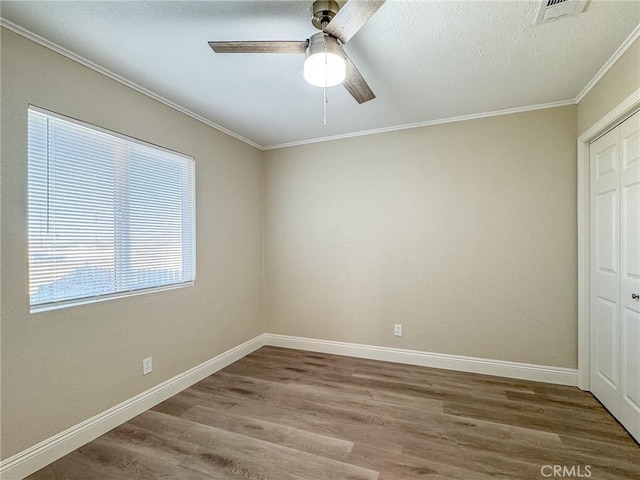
147, 366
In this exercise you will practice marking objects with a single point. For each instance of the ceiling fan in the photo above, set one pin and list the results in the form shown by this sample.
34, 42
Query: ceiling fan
326, 64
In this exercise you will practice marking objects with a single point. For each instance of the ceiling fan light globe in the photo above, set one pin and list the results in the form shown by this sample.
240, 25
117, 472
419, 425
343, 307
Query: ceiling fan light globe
324, 70
324, 64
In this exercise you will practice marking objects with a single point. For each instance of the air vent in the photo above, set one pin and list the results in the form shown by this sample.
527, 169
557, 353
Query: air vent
555, 9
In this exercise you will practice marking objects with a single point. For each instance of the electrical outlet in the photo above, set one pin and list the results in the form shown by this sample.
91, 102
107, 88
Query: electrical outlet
147, 366
397, 330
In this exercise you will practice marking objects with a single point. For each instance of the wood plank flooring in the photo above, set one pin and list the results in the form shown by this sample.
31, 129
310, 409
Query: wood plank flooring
281, 414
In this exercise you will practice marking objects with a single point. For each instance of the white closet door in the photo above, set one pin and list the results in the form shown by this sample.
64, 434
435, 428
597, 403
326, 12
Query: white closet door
605, 278
630, 274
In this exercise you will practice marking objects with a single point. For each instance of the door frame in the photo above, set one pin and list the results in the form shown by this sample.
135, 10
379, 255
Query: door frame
610, 120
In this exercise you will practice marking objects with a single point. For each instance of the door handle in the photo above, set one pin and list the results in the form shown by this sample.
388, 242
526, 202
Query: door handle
635, 296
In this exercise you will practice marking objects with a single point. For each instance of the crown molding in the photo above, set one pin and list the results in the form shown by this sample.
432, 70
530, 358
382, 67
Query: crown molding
635, 34
430, 123
609, 63
114, 76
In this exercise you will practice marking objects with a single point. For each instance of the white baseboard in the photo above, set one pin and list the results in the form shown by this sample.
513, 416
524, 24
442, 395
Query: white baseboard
499, 368
33, 459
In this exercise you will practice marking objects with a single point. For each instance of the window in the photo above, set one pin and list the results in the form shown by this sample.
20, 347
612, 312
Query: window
108, 215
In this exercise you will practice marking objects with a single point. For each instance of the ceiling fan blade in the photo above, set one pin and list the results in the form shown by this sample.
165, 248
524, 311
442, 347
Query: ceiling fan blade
259, 47
351, 17
355, 83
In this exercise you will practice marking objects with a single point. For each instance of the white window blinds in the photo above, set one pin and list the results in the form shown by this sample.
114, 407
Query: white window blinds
108, 215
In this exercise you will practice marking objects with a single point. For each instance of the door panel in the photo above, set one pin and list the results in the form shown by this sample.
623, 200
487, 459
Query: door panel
606, 227
630, 274
631, 372
630, 365
630, 142
606, 160
605, 278
631, 232
607, 350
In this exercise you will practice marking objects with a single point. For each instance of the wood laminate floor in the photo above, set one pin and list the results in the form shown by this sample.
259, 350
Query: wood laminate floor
281, 414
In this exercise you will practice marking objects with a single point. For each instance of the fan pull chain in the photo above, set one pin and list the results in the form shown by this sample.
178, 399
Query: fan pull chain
326, 79
325, 106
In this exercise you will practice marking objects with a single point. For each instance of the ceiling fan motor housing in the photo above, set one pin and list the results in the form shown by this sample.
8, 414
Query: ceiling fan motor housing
323, 12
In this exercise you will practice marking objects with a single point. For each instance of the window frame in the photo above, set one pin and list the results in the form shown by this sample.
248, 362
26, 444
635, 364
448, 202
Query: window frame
57, 304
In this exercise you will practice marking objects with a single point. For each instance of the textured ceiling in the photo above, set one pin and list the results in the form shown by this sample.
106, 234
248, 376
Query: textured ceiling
425, 60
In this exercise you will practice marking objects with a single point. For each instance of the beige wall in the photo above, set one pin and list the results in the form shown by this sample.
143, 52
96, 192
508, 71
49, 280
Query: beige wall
465, 233
622, 79
64, 366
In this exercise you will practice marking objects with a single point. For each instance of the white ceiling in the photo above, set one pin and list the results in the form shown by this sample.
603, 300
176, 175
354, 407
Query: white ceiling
425, 60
